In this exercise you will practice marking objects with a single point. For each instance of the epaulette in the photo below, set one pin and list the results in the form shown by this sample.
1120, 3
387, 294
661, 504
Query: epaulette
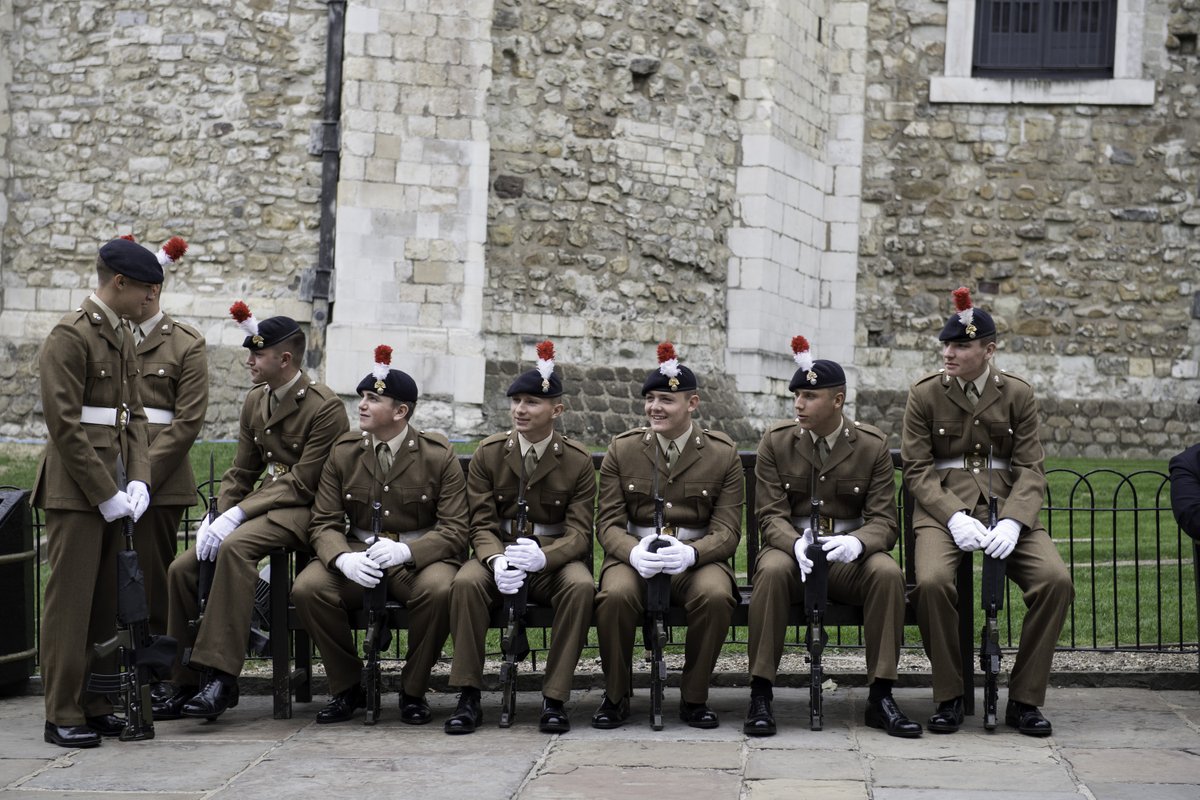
863, 427
785, 425
350, 437
495, 439
185, 328
320, 390
633, 432
720, 437
435, 438
1009, 376
577, 445
931, 376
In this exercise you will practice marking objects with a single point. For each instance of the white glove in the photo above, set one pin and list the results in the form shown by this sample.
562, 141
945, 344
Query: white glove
526, 555
139, 495
508, 581
967, 531
843, 548
677, 556
359, 568
117, 506
386, 553
1002, 539
801, 550
646, 563
211, 534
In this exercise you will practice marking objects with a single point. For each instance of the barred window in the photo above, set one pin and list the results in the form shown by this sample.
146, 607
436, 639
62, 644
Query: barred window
1070, 39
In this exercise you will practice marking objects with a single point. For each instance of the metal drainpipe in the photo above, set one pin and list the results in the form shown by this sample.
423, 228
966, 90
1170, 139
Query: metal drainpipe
330, 164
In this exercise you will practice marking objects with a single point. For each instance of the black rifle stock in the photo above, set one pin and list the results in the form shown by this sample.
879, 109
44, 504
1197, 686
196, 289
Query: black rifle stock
991, 595
207, 569
658, 602
142, 658
514, 642
816, 596
379, 633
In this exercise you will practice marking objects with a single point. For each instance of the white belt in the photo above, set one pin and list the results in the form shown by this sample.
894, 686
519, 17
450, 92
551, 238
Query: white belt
159, 416
408, 537
975, 463
549, 530
98, 415
680, 533
829, 525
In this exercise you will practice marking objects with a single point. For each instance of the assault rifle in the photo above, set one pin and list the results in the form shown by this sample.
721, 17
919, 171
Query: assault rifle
208, 569
142, 658
658, 602
514, 643
991, 594
816, 597
379, 633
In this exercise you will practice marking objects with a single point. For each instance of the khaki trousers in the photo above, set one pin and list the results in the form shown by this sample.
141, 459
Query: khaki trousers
568, 590
707, 594
154, 537
1035, 567
221, 642
875, 583
323, 597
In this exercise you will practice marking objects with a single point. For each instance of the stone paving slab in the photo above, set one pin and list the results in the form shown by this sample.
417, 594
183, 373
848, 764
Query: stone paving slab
969, 774
1135, 765
778, 789
623, 783
1141, 791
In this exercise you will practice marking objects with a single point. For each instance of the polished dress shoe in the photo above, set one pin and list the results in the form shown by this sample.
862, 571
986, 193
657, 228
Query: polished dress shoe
698, 715
106, 724
554, 717
949, 716
414, 710
759, 719
1027, 719
611, 715
213, 699
161, 691
71, 735
172, 707
467, 716
886, 715
343, 705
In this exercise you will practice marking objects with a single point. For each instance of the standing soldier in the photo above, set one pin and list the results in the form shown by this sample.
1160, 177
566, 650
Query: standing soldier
850, 468
174, 389
96, 427
699, 476
418, 482
552, 554
287, 426
971, 430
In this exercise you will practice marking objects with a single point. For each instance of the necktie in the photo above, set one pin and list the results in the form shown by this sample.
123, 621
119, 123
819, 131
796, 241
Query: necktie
972, 392
531, 460
138, 336
384, 454
822, 450
672, 455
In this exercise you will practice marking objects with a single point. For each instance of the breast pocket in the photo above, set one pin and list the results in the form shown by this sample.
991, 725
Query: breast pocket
100, 384
946, 434
356, 500
636, 490
701, 496
851, 491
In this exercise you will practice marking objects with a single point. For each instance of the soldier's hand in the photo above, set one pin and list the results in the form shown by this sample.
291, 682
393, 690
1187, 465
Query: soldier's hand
359, 568
509, 579
968, 532
1002, 539
526, 554
211, 534
387, 553
646, 563
139, 495
842, 548
801, 551
117, 506
676, 556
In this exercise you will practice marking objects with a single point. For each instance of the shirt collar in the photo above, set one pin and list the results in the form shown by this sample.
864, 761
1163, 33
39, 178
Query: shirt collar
113, 318
980, 382
831, 439
680, 441
147, 325
393, 444
282, 390
538, 447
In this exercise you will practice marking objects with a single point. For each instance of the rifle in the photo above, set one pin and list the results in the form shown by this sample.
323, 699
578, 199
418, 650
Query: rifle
208, 569
142, 658
816, 596
658, 601
991, 593
379, 633
514, 643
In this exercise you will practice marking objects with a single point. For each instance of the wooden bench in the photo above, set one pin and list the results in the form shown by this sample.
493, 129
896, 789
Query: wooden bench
288, 635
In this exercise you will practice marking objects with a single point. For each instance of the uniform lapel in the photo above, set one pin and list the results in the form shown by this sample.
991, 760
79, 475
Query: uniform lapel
549, 460
107, 332
690, 454
406, 457
955, 395
991, 391
367, 445
289, 402
807, 447
842, 447
155, 337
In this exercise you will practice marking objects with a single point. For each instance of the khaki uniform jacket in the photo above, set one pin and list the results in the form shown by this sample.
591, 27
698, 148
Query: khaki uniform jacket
298, 436
705, 489
562, 489
82, 363
857, 480
423, 489
174, 374
939, 422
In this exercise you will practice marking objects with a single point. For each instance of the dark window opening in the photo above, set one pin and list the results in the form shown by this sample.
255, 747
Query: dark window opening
1065, 39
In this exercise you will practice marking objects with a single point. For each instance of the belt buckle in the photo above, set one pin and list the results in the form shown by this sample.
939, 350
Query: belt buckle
825, 524
668, 530
277, 469
975, 462
123, 417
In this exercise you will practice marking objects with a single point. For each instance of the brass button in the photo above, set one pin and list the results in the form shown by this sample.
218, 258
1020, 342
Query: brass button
269, 454
387, 513
975, 470
822, 479
856, 490
787, 486
704, 492
669, 505
162, 372
268, 431
558, 502
976, 422
294, 445
499, 497
347, 497
102, 373
385, 488
424, 497
941, 431
631, 487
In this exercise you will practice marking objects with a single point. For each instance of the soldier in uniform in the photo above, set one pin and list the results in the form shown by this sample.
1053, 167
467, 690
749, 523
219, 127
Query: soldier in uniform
850, 468
971, 429
700, 478
288, 423
94, 419
174, 389
416, 478
552, 554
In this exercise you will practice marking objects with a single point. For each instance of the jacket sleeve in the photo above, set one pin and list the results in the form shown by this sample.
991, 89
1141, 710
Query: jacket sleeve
772, 506
1185, 490
880, 530
484, 519
1028, 491
327, 527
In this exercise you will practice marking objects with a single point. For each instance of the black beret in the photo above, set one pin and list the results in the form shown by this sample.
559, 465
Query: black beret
981, 325
824, 373
397, 385
131, 260
272, 331
530, 382
656, 381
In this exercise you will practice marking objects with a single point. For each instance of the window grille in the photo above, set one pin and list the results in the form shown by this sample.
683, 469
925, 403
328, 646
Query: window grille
1044, 38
